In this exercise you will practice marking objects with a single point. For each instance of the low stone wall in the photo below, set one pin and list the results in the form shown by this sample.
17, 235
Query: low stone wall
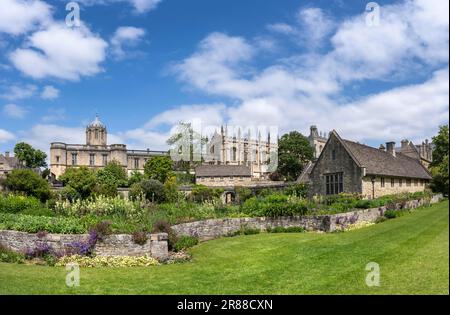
112, 245
215, 228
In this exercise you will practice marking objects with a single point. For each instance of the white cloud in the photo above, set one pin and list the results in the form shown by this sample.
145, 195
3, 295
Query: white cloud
17, 92
304, 89
125, 36
6, 136
54, 114
61, 52
14, 111
140, 6
20, 16
49, 92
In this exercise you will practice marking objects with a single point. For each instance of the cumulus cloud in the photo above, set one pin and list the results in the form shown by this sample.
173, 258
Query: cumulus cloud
14, 111
312, 88
61, 52
18, 92
125, 36
49, 92
21, 16
140, 6
6, 136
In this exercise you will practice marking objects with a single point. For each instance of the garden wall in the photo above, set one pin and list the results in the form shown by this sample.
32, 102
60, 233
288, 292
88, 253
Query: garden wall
211, 229
113, 245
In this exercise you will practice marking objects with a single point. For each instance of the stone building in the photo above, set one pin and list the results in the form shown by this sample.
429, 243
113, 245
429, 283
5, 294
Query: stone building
239, 150
349, 167
422, 152
96, 153
223, 175
8, 163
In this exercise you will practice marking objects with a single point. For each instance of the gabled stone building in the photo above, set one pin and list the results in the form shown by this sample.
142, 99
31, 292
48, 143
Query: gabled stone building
348, 167
96, 153
8, 163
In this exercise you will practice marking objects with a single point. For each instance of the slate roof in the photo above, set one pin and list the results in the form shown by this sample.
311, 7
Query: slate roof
11, 161
378, 162
223, 171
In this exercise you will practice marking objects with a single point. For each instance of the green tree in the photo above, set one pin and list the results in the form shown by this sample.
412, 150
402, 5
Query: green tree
159, 168
112, 176
31, 157
153, 190
82, 180
171, 192
439, 166
187, 145
29, 183
135, 178
294, 152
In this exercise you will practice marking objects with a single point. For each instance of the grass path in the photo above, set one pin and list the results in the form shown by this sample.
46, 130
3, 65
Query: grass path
412, 251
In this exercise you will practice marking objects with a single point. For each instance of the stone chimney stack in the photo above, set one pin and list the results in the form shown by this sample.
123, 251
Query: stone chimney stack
7, 154
405, 144
390, 148
382, 147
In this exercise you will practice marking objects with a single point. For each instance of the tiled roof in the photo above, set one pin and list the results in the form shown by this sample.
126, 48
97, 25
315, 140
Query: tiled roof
13, 162
222, 171
378, 162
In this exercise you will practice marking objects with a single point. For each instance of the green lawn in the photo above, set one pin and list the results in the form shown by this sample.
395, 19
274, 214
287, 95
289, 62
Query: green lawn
412, 251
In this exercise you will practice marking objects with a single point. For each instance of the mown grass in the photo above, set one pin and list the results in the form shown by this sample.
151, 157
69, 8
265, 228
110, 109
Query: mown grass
412, 251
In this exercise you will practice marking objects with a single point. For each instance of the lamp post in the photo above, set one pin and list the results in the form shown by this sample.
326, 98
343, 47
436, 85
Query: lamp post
373, 187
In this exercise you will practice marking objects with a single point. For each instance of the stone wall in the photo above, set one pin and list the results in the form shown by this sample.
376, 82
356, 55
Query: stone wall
215, 228
113, 245
415, 185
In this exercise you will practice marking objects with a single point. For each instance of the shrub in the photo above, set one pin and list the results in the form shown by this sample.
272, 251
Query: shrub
185, 242
297, 190
201, 193
245, 230
19, 204
102, 229
34, 224
171, 193
29, 183
390, 214
7, 255
113, 262
275, 205
243, 193
159, 168
82, 180
140, 238
152, 190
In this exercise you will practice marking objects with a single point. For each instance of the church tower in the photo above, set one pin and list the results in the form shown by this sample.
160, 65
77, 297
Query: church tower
96, 133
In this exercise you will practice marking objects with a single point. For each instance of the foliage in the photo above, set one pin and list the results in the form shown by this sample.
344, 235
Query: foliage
34, 224
276, 176
19, 204
281, 229
112, 176
135, 178
7, 255
185, 178
439, 166
29, 183
32, 158
390, 214
171, 192
163, 226
244, 230
187, 143
243, 193
140, 238
82, 180
201, 193
294, 152
152, 190
113, 262
297, 190
275, 205
185, 242
159, 168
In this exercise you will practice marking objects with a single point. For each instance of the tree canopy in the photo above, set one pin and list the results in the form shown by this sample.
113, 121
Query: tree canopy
159, 168
294, 152
439, 166
29, 183
32, 158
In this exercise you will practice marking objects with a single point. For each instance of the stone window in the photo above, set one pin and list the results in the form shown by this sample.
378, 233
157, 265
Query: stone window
234, 154
136, 163
383, 183
334, 183
57, 159
91, 159
416, 182
96, 134
400, 182
333, 155
74, 159
408, 183
105, 159
421, 182
392, 182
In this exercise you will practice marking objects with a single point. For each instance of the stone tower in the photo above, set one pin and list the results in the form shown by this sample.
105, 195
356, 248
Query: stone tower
317, 140
96, 133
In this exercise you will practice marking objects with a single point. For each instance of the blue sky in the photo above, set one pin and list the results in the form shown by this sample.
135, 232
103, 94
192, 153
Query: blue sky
144, 65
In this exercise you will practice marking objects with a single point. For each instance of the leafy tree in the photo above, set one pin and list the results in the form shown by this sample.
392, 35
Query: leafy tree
153, 190
29, 183
82, 180
158, 168
294, 152
135, 178
112, 176
439, 166
201, 193
171, 192
32, 158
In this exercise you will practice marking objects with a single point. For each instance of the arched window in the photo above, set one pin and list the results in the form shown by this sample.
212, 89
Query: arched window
96, 134
234, 154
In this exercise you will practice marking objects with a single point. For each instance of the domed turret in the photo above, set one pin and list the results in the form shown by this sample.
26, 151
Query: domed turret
96, 133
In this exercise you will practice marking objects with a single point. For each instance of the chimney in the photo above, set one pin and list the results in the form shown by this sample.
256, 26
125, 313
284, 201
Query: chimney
7, 154
390, 148
405, 144
382, 147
